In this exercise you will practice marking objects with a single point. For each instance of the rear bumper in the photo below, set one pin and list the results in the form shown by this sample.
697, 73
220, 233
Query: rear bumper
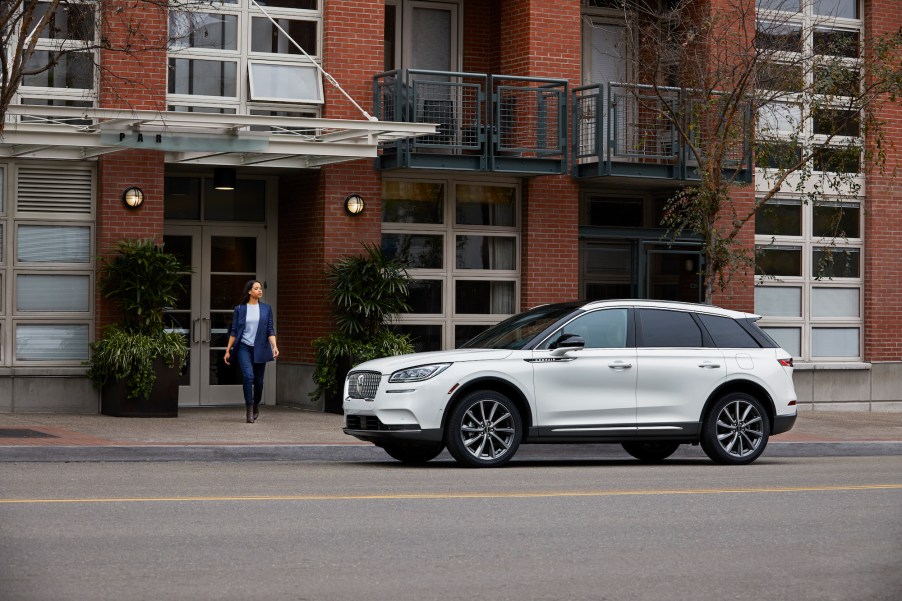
784, 423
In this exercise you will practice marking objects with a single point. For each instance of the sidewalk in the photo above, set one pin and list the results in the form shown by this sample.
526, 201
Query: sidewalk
281, 426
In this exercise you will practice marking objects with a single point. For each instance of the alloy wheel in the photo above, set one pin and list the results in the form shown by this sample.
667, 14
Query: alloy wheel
740, 428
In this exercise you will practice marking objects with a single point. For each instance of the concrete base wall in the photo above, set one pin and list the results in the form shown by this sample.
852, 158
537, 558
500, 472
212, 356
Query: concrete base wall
294, 385
850, 387
31, 390
820, 387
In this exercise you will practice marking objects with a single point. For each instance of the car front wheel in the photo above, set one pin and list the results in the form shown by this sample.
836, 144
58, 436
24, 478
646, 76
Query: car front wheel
736, 430
484, 429
412, 453
650, 451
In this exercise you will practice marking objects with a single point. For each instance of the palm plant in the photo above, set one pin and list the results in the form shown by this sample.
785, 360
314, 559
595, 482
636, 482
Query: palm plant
143, 280
366, 292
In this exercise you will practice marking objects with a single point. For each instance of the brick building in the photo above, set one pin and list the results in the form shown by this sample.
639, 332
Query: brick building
518, 196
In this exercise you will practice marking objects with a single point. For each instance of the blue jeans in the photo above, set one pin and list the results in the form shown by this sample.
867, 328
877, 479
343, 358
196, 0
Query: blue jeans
251, 373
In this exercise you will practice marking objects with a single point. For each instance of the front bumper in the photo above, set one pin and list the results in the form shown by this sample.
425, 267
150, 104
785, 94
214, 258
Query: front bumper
379, 437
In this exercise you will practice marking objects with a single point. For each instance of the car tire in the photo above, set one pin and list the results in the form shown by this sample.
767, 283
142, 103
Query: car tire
413, 453
484, 429
736, 429
651, 452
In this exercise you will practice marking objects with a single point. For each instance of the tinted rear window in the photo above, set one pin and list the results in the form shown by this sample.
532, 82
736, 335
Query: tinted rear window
668, 329
727, 333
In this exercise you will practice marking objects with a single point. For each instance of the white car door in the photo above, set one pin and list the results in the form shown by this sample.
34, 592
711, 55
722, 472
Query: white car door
590, 391
676, 372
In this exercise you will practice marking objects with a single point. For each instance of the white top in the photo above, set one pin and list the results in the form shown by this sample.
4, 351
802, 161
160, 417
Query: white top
250, 324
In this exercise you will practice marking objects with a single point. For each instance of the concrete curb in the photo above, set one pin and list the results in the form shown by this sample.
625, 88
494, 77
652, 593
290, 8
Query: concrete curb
368, 453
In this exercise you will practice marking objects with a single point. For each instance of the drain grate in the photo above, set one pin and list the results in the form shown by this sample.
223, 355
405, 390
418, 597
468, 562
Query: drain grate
23, 433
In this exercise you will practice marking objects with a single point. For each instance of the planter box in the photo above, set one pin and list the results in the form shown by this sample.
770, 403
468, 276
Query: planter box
163, 401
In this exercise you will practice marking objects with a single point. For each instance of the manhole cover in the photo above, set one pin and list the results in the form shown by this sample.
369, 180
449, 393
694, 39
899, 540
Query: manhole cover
23, 433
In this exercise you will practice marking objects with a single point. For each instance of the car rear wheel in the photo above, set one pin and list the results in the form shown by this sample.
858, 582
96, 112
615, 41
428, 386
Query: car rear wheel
484, 430
736, 430
413, 453
650, 451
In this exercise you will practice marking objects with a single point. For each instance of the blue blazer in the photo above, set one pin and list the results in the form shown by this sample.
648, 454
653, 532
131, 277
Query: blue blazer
262, 350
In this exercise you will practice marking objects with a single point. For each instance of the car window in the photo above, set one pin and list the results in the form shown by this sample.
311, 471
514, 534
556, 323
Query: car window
600, 329
515, 332
727, 333
658, 328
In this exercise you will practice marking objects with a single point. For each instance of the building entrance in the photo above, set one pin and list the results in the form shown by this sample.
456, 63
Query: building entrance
224, 259
637, 268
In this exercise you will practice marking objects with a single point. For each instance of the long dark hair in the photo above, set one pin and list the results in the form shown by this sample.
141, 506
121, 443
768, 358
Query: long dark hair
246, 295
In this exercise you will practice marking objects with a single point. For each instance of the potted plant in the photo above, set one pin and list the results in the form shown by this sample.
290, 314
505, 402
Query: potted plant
366, 292
136, 363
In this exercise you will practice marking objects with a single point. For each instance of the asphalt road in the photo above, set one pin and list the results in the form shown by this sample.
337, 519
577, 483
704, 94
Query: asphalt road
818, 528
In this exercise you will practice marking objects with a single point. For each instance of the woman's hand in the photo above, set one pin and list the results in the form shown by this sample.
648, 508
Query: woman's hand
226, 357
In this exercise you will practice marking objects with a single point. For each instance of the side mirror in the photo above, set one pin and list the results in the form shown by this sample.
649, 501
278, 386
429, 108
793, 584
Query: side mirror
567, 342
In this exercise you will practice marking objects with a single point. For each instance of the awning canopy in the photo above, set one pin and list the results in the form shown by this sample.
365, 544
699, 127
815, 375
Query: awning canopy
197, 138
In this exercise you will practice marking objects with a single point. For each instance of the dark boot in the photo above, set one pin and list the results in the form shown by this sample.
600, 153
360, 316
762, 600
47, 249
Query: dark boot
256, 411
250, 414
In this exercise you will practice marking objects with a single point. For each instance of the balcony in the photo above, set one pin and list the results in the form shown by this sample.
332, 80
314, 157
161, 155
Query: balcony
620, 130
495, 123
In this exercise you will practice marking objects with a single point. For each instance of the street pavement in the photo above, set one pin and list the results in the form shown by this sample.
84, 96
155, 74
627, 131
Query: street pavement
284, 433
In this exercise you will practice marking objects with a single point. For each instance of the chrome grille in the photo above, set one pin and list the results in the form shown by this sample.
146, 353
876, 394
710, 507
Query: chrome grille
363, 384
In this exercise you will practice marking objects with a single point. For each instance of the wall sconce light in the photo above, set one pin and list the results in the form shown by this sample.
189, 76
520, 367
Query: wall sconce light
224, 178
689, 265
133, 197
354, 204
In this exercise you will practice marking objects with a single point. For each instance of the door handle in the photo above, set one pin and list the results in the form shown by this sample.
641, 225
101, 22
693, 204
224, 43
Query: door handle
194, 337
620, 365
209, 322
709, 365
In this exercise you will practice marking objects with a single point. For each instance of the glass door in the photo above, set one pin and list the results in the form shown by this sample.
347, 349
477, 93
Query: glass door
224, 259
673, 273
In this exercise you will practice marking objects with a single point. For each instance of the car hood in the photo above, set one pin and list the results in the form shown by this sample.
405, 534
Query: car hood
387, 365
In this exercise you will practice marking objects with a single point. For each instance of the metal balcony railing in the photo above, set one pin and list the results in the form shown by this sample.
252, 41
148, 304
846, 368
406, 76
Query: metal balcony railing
485, 122
624, 130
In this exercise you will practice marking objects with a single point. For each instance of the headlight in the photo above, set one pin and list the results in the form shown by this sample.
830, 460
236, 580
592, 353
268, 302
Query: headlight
418, 373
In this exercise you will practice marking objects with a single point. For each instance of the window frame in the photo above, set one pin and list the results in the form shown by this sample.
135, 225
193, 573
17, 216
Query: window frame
449, 274
808, 283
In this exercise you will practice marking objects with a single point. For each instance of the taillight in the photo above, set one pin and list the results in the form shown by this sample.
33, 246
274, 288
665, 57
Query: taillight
785, 362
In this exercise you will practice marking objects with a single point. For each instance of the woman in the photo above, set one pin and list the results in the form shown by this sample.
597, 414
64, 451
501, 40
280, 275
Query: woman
253, 338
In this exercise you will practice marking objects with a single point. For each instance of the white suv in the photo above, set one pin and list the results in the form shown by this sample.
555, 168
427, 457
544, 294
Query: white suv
647, 375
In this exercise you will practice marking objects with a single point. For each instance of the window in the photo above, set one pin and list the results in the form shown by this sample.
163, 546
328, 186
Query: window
811, 56
657, 329
284, 83
460, 242
71, 80
48, 275
726, 332
599, 329
809, 282
231, 58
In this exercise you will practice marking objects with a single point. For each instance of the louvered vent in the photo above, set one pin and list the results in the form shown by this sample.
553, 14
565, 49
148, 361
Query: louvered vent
54, 190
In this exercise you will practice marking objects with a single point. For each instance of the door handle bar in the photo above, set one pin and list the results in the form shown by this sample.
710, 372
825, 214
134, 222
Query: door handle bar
620, 365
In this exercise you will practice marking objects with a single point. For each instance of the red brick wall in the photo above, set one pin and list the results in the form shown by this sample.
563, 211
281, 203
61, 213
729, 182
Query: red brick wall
740, 292
883, 218
542, 39
134, 79
314, 229
352, 53
481, 21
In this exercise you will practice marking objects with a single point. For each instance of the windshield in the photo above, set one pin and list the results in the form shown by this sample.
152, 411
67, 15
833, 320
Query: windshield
514, 332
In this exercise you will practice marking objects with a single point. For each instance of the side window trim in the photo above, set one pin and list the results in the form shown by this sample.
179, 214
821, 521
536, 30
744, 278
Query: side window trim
707, 339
